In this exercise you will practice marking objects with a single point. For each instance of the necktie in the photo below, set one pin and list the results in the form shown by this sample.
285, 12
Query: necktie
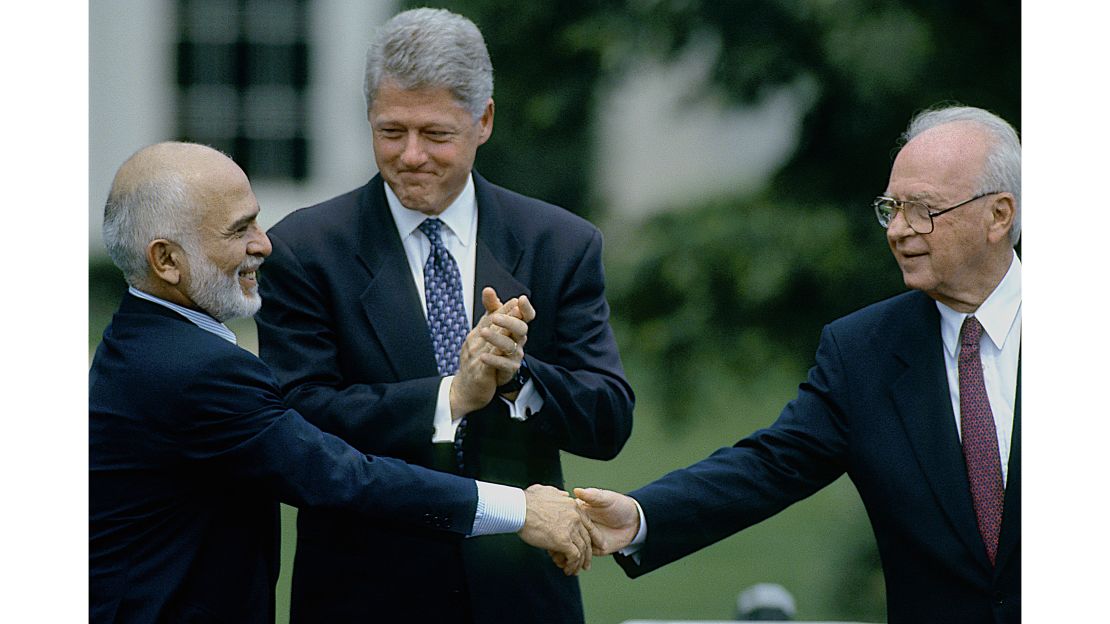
447, 324
980, 442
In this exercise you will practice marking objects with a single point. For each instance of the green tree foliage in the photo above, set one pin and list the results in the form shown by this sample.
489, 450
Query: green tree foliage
747, 280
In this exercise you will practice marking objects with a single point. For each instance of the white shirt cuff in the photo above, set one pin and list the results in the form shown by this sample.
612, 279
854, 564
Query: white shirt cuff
444, 427
501, 509
528, 402
634, 547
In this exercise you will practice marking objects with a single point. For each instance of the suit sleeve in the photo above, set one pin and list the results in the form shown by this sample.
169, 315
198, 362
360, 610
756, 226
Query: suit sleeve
738, 486
587, 401
298, 340
232, 422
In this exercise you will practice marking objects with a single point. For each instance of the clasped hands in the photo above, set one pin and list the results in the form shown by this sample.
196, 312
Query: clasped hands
597, 522
492, 352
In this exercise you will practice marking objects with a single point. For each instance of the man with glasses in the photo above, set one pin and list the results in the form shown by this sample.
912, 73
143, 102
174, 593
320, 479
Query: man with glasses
916, 398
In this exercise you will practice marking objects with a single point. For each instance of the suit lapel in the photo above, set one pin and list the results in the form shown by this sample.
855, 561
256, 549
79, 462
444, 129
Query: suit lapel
390, 299
498, 251
920, 395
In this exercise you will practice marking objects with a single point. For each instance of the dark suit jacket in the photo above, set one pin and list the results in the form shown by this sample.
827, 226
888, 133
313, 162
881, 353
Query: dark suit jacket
876, 406
342, 327
190, 449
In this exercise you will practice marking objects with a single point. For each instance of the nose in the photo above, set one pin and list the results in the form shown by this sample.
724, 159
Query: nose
259, 245
899, 227
413, 154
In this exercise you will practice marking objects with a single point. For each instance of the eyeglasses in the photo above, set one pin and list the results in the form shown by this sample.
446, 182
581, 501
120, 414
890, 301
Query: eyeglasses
918, 214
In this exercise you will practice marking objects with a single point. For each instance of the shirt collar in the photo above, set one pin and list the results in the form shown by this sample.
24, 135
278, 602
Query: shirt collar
458, 217
997, 314
200, 319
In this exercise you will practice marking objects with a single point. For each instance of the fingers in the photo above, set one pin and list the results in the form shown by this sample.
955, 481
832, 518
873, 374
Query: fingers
505, 334
524, 307
579, 539
489, 300
555, 523
509, 307
586, 531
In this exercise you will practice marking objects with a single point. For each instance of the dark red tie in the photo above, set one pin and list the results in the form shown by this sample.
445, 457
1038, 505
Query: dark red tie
980, 442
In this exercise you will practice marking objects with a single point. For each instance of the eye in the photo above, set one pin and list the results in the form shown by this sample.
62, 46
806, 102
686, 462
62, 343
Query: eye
438, 135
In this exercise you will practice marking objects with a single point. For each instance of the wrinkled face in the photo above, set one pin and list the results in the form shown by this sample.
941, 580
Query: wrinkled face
942, 167
424, 144
222, 277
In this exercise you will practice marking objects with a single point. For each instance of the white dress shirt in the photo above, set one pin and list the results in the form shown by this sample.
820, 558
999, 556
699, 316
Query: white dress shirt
460, 236
999, 349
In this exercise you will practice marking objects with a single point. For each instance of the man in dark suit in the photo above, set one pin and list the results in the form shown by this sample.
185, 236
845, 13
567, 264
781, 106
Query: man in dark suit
190, 445
915, 397
353, 302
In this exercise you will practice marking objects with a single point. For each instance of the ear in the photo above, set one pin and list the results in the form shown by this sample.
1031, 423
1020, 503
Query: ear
166, 260
485, 123
1002, 212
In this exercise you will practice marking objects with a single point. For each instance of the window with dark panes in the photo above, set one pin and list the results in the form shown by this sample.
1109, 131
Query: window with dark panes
241, 76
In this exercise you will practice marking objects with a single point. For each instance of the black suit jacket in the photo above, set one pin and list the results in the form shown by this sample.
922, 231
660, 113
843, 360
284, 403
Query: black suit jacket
190, 450
342, 327
876, 406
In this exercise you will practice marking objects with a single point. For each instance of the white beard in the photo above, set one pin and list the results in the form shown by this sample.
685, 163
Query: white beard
219, 294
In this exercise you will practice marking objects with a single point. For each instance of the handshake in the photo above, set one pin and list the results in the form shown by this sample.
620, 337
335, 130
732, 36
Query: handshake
572, 530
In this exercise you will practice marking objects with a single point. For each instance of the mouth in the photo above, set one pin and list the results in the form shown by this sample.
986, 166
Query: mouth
248, 275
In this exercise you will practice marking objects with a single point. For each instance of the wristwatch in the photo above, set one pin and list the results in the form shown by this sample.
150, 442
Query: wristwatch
523, 374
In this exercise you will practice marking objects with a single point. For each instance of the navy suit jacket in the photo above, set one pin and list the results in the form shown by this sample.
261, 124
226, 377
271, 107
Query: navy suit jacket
342, 327
190, 450
876, 406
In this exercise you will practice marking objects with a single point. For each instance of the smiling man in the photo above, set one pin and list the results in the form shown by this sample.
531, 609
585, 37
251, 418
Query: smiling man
916, 398
369, 324
190, 445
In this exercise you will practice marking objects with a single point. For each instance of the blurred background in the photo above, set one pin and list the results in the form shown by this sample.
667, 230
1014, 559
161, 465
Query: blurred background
728, 150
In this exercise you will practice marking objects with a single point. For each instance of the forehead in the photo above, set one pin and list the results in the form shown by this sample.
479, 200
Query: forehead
940, 162
226, 196
421, 105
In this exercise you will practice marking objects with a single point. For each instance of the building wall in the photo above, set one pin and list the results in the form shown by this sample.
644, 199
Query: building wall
132, 92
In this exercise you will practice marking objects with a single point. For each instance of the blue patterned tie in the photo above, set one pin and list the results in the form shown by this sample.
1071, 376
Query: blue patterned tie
447, 324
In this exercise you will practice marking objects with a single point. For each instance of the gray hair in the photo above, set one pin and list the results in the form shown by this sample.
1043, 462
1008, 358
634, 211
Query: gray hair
160, 206
431, 48
1002, 171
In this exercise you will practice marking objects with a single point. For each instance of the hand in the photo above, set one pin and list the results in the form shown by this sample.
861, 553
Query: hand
505, 334
615, 518
555, 523
475, 382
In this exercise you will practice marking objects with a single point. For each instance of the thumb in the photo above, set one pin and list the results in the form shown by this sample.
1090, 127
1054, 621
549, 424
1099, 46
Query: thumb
490, 301
594, 497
